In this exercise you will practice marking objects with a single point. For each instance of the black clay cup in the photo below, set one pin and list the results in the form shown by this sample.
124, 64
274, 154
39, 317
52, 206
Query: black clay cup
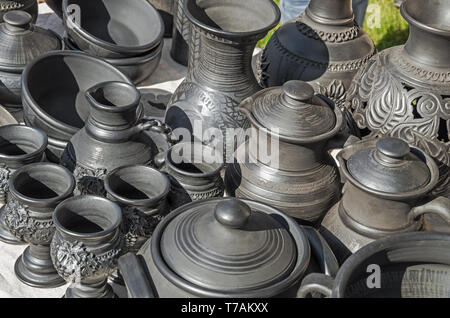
113, 28
19, 145
36, 189
141, 192
87, 244
194, 172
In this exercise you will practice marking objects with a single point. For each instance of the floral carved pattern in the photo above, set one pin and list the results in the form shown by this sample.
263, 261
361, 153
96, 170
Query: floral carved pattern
74, 262
24, 227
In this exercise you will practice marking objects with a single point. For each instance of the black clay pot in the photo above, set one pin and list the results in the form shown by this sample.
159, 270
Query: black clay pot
29, 6
20, 42
181, 35
137, 68
36, 189
194, 173
19, 145
113, 28
297, 176
166, 10
220, 75
403, 91
114, 136
225, 248
86, 245
323, 46
411, 265
55, 101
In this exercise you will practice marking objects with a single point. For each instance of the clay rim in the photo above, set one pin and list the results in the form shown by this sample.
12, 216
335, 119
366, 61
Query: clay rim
114, 209
114, 47
48, 201
114, 108
303, 255
139, 202
409, 18
37, 133
41, 113
182, 172
434, 177
397, 241
229, 34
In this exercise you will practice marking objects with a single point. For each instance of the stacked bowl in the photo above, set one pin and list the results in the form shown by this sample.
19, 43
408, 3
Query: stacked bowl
127, 34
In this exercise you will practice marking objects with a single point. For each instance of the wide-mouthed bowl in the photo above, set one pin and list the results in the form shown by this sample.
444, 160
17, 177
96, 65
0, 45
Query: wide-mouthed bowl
113, 28
137, 68
53, 93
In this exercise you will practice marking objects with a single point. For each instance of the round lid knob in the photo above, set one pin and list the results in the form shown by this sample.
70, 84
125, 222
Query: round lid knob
393, 147
298, 90
17, 20
232, 213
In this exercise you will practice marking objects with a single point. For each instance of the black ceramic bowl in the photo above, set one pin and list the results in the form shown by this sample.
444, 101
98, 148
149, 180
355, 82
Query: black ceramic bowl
53, 93
136, 68
113, 28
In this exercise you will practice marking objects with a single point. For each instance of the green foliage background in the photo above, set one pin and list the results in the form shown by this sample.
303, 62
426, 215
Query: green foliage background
392, 30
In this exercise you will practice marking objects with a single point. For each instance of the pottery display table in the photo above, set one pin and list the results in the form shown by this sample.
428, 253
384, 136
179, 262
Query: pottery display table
156, 91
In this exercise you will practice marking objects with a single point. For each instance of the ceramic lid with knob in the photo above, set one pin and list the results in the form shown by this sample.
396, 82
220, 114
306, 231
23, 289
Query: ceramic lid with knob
293, 109
390, 167
233, 245
21, 41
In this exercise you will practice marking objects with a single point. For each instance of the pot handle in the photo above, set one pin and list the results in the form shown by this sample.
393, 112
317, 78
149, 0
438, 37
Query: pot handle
439, 206
322, 251
136, 277
316, 283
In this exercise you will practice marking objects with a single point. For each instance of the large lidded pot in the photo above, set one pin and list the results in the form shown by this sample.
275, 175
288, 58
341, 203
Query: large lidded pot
224, 248
113, 136
30, 6
20, 42
403, 91
323, 46
407, 265
386, 183
220, 75
285, 163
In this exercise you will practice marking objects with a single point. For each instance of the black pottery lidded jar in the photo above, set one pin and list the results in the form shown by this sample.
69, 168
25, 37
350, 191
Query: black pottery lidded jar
323, 46
403, 91
30, 6
220, 74
300, 177
113, 136
20, 42
387, 183
225, 248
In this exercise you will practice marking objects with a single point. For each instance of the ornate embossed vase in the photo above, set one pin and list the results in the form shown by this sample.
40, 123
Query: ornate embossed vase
114, 136
180, 34
19, 145
403, 91
30, 6
386, 184
299, 177
36, 189
87, 244
141, 192
220, 74
194, 173
323, 46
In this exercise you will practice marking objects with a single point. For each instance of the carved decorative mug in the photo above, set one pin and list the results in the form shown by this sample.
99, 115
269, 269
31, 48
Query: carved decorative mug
141, 192
87, 244
36, 190
19, 145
